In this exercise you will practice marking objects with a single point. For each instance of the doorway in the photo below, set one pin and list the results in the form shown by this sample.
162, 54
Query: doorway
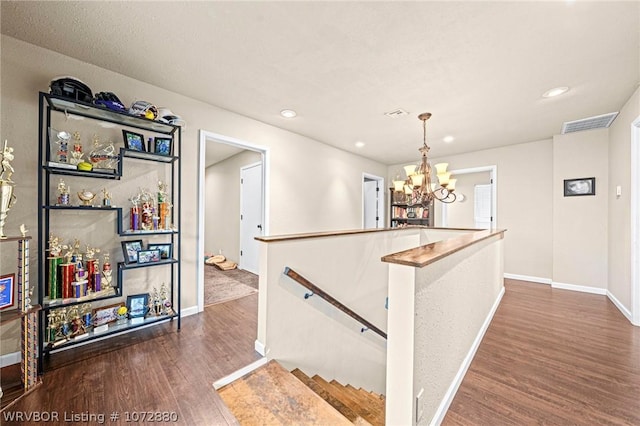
216, 145
372, 201
476, 202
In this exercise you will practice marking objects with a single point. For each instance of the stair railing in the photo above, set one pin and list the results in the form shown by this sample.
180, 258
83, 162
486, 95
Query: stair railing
315, 290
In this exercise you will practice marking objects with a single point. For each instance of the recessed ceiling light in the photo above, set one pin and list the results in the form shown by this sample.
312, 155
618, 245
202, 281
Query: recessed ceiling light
448, 139
360, 144
288, 113
555, 92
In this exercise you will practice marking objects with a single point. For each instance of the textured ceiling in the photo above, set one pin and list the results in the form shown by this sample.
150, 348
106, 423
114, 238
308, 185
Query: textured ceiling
479, 67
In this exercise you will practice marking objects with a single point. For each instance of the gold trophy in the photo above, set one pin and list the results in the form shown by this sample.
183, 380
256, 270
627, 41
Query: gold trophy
86, 197
7, 198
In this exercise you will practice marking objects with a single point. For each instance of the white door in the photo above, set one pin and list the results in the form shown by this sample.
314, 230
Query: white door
371, 205
482, 206
250, 215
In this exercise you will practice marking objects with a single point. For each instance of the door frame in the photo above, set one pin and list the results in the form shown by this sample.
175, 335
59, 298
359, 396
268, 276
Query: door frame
381, 198
246, 167
210, 137
493, 176
635, 222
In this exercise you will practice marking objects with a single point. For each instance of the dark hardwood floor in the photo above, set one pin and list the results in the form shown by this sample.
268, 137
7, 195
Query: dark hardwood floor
552, 357
150, 371
549, 357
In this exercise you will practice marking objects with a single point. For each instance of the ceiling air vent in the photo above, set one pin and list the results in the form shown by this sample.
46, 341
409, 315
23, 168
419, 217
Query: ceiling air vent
396, 113
597, 122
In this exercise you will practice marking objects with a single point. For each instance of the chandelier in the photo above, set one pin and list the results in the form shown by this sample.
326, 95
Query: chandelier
417, 188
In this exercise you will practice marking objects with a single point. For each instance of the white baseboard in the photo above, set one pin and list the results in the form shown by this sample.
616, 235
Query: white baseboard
188, 311
239, 373
580, 288
527, 278
457, 381
259, 347
10, 359
626, 312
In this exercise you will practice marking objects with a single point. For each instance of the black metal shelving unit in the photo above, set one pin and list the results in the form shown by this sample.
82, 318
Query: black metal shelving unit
400, 213
51, 104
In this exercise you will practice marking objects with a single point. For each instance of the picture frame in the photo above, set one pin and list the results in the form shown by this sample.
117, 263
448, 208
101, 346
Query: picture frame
138, 305
133, 141
7, 287
579, 187
166, 250
130, 250
105, 314
162, 146
148, 256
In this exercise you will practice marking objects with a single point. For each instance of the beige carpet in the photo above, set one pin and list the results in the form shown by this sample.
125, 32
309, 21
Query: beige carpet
222, 286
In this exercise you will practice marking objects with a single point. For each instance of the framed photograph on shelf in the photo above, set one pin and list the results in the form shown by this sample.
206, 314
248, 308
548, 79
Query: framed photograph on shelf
105, 314
130, 250
7, 290
137, 305
162, 145
148, 256
581, 186
166, 250
133, 141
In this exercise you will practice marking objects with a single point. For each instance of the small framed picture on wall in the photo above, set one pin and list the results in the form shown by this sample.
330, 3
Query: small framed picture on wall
580, 186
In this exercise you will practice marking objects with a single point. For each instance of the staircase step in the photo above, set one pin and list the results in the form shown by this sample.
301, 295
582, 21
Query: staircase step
376, 405
272, 395
374, 408
343, 394
366, 395
354, 417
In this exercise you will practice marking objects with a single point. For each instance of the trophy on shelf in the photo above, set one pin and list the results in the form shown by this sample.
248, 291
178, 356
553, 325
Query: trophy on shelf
76, 154
85, 311
103, 156
135, 213
106, 270
163, 206
166, 302
106, 198
93, 269
7, 197
86, 197
62, 139
148, 210
54, 260
63, 193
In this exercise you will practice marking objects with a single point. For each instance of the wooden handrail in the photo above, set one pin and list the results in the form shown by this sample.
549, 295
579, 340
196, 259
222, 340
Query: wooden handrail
333, 301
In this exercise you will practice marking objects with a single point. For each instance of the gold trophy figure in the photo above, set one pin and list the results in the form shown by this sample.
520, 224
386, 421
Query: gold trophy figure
7, 198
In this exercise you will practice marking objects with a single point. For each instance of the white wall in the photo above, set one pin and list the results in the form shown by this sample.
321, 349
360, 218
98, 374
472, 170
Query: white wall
580, 223
222, 204
313, 335
525, 200
437, 315
330, 200
619, 237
